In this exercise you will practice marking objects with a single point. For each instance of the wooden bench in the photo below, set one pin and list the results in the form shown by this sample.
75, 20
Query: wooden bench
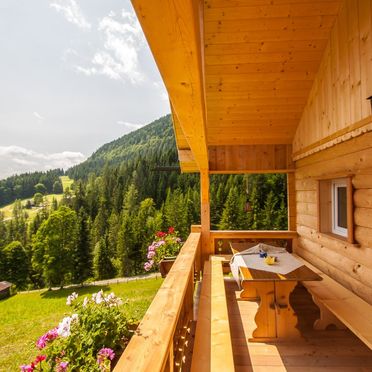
212, 346
340, 306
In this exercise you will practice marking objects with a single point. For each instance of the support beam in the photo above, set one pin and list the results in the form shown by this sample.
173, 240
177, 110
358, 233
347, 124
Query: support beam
174, 32
205, 215
291, 201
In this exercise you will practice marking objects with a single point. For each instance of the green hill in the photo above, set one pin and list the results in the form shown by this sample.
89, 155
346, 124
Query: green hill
154, 143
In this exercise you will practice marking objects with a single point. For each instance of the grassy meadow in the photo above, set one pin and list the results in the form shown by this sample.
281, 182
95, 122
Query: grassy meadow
66, 182
8, 209
26, 316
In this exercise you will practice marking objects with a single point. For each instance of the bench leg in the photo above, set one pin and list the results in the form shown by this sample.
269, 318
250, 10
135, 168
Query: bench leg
326, 317
248, 292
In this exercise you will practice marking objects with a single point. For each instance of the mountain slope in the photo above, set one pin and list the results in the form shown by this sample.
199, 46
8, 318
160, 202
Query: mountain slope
154, 142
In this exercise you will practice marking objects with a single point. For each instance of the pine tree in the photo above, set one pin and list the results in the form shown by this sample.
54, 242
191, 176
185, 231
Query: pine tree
232, 215
14, 264
126, 246
81, 253
103, 266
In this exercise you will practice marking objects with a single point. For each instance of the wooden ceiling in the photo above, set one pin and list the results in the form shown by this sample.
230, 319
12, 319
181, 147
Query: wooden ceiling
238, 73
260, 60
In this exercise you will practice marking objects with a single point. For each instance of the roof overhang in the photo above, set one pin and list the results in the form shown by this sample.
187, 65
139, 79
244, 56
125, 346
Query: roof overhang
238, 73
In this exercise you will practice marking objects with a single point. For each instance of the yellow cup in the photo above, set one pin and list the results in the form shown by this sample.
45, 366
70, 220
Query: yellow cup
270, 260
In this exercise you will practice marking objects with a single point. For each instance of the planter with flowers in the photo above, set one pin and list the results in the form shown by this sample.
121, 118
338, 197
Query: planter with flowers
162, 252
90, 339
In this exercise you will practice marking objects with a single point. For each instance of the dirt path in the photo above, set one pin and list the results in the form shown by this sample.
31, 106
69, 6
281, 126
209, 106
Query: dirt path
103, 282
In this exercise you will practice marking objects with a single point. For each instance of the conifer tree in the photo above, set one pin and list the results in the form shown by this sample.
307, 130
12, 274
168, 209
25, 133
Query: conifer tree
14, 264
81, 252
103, 266
232, 215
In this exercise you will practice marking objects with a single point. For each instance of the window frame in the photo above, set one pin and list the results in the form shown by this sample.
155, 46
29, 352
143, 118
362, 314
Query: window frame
327, 209
336, 229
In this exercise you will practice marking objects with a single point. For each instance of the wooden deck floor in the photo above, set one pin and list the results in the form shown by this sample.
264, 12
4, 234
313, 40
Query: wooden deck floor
330, 350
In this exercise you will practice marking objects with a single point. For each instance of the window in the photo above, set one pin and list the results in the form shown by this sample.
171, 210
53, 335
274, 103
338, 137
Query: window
339, 207
335, 208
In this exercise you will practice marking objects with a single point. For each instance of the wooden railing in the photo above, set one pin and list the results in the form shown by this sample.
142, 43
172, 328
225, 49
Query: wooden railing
159, 341
270, 236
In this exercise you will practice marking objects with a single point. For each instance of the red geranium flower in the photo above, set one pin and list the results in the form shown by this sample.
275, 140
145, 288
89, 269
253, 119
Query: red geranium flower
171, 230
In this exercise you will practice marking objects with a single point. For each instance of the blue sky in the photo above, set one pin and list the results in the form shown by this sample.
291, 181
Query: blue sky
73, 76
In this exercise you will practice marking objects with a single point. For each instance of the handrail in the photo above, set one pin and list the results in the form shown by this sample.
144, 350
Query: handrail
151, 347
254, 234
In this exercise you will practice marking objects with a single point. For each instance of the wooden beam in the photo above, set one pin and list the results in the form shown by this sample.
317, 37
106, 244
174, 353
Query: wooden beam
253, 234
250, 159
173, 31
205, 214
291, 201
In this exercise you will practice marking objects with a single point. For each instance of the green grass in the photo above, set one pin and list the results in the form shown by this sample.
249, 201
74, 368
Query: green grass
8, 209
66, 182
26, 316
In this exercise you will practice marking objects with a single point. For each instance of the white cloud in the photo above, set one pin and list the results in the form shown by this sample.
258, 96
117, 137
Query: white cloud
159, 85
71, 11
118, 60
38, 116
130, 125
16, 159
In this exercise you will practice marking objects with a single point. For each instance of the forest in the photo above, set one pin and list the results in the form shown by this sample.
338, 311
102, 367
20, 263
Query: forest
121, 196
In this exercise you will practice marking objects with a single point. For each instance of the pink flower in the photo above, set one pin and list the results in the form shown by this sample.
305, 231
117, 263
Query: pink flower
107, 353
151, 248
150, 255
147, 266
44, 339
62, 367
27, 368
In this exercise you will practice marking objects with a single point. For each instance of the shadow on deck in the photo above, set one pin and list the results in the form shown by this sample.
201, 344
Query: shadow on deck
330, 350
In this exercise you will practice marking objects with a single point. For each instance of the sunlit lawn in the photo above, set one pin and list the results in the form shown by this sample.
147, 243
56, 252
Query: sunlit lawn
26, 316
66, 182
8, 209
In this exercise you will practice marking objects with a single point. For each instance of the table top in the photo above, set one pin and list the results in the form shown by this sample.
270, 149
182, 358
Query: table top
303, 273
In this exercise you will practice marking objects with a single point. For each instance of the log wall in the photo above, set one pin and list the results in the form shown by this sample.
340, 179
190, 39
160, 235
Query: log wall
349, 264
338, 98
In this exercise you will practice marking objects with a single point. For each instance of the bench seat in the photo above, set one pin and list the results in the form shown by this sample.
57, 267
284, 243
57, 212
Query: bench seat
339, 306
212, 347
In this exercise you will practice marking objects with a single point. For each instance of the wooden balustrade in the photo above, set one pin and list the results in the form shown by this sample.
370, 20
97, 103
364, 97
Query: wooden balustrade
269, 236
160, 340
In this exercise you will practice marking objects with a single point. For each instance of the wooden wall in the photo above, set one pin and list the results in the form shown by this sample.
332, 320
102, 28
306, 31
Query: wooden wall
250, 158
349, 264
344, 80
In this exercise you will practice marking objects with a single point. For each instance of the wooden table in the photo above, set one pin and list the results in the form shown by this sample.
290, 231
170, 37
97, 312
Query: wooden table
275, 316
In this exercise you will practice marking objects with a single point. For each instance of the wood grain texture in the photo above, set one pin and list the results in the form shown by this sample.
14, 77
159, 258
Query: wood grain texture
338, 98
256, 57
213, 349
173, 31
152, 344
345, 305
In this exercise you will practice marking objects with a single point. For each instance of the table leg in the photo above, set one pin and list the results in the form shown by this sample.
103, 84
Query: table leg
265, 317
286, 318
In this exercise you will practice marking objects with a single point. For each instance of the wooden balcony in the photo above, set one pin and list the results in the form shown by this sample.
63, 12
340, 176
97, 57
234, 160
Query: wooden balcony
164, 340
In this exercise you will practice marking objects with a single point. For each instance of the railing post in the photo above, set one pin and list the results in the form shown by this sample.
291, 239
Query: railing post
205, 214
